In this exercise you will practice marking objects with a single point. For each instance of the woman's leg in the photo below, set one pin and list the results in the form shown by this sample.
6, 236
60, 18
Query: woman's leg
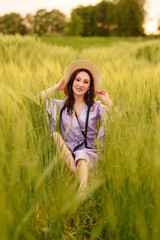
62, 148
82, 171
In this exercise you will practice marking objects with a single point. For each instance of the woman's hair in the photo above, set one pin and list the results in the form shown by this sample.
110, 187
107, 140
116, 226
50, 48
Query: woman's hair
88, 97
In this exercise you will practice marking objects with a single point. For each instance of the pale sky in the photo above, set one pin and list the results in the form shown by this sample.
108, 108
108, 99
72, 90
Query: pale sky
153, 9
31, 6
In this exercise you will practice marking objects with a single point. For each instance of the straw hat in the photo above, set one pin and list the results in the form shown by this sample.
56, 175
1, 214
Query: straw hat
85, 65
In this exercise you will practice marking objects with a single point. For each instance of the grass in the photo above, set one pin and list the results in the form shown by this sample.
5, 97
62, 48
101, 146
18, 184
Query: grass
86, 42
38, 195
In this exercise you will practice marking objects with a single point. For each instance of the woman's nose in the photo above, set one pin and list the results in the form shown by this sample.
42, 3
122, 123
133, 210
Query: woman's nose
81, 83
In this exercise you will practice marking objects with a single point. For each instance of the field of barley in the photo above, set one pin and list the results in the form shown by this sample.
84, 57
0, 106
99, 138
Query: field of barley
38, 196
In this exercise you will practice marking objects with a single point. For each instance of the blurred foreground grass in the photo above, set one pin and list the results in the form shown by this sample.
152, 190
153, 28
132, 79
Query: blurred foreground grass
38, 195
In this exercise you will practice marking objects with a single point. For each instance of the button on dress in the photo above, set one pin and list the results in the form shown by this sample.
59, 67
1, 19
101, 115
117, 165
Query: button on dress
71, 128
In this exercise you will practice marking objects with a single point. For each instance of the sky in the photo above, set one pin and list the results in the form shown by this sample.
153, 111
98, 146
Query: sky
153, 9
31, 6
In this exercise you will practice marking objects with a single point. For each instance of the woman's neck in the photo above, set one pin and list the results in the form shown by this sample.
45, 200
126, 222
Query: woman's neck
79, 100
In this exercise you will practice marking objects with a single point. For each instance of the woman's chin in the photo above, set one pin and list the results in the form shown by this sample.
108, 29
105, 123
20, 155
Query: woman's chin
78, 94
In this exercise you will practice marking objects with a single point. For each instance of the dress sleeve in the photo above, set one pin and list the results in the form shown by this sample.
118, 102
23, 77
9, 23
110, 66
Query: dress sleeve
102, 116
52, 108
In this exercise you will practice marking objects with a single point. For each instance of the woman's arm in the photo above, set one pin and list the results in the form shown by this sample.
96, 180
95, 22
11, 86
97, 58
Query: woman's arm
105, 98
50, 91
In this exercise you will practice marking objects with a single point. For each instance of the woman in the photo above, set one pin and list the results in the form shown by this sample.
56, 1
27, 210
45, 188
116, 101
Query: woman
79, 115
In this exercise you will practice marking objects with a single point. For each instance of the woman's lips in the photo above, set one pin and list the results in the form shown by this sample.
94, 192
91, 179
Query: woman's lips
79, 89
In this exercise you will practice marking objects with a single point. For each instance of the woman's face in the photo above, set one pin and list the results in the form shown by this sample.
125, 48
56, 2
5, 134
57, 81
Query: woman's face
81, 84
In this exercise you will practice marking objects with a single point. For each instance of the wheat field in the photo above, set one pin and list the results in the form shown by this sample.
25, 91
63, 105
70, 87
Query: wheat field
38, 196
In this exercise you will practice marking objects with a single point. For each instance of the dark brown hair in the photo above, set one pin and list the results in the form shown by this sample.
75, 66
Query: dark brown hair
89, 95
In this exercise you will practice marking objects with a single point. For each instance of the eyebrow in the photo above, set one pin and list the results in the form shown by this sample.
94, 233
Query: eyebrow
84, 79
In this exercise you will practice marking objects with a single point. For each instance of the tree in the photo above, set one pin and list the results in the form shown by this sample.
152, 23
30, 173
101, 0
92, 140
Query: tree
55, 21
40, 22
10, 23
109, 17
49, 22
75, 26
84, 14
130, 17
105, 18
27, 24
123, 17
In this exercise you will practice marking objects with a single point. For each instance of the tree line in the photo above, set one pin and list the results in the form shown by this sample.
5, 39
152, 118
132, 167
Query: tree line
109, 17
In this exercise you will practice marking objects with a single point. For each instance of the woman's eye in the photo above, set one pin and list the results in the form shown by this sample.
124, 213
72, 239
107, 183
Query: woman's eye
86, 82
77, 79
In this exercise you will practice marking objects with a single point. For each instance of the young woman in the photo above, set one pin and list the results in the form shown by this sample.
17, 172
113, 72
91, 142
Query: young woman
79, 115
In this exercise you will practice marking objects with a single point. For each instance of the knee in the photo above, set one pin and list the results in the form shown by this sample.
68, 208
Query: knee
82, 163
56, 136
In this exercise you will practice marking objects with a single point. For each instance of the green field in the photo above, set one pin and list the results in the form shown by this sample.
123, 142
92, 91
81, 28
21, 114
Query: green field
85, 42
38, 196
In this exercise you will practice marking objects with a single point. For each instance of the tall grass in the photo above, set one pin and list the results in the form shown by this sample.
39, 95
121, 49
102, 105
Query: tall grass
38, 196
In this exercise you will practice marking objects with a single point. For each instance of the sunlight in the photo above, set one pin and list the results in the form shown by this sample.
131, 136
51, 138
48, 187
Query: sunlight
151, 27
151, 24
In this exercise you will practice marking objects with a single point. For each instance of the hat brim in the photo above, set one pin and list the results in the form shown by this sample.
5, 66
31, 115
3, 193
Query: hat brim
83, 64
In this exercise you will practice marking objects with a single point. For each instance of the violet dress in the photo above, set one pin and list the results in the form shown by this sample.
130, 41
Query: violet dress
71, 128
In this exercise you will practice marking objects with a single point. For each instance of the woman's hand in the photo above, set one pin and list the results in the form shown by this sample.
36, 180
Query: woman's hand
50, 91
60, 85
105, 98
